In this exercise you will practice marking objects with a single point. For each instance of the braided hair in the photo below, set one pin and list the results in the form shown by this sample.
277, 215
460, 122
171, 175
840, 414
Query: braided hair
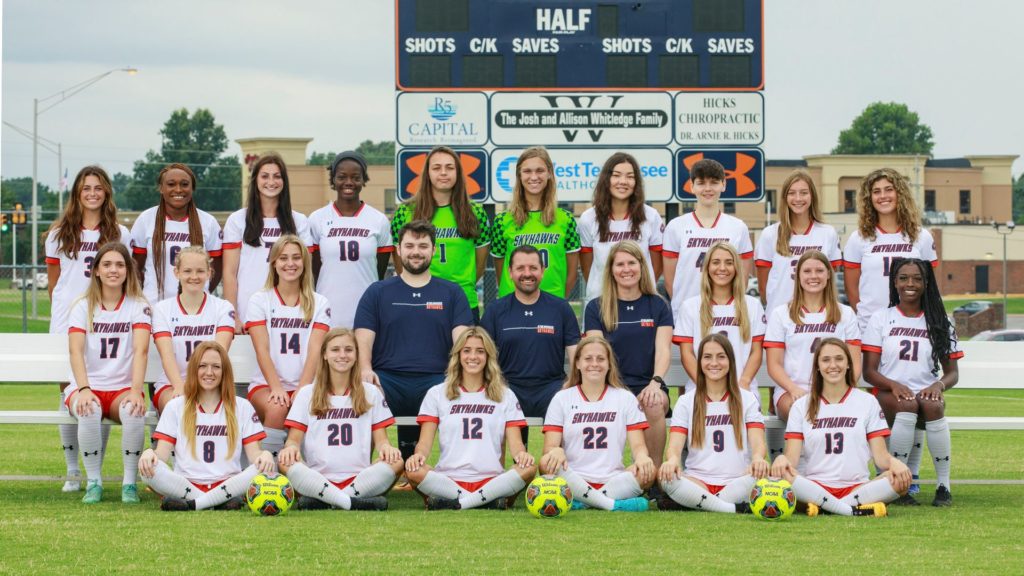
940, 332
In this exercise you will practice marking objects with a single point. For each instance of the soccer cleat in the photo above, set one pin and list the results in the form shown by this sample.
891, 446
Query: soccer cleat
375, 503
177, 505
638, 504
906, 500
435, 503
93, 492
654, 492
915, 488
942, 497
232, 504
71, 486
813, 509
877, 510
310, 503
129, 494
743, 508
667, 504
496, 504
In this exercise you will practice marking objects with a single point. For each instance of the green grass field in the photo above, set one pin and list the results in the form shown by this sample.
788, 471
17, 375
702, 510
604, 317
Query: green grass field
46, 531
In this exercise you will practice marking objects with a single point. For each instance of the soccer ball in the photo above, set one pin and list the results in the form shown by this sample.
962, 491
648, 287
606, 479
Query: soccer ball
270, 495
772, 499
548, 497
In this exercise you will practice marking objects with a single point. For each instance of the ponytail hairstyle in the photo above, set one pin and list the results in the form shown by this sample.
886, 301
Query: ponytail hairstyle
253, 233
785, 216
94, 293
732, 387
191, 395
940, 332
612, 380
818, 381
603, 197
306, 298
610, 289
69, 225
322, 386
424, 206
195, 229
908, 216
520, 208
739, 290
494, 382
833, 311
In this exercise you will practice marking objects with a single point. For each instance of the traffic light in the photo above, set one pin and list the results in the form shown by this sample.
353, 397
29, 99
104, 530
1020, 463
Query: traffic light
3, 222
18, 216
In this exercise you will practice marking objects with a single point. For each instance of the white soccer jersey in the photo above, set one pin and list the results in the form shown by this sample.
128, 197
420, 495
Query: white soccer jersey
74, 273
339, 443
835, 451
175, 238
108, 346
210, 463
289, 333
254, 261
187, 331
688, 241
873, 258
720, 460
649, 238
800, 341
723, 321
906, 351
594, 433
779, 288
471, 431
348, 247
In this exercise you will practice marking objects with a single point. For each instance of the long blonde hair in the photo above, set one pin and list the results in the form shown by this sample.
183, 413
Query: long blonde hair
322, 388
613, 379
306, 297
192, 390
908, 216
610, 289
519, 208
700, 405
494, 381
785, 214
94, 293
833, 312
739, 289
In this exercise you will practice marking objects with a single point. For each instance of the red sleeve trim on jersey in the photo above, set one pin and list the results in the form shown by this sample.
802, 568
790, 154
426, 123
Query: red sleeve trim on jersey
165, 437
385, 249
163, 334
853, 342
755, 425
586, 250
870, 348
956, 355
383, 424
879, 433
226, 329
638, 426
848, 264
74, 329
138, 250
747, 255
255, 323
794, 436
254, 438
655, 248
422, 418
837, 264
679, 430
757, 338
141, 326
669, 254
314, 248
297, 425
321, 326
763, 263
50, 260
231, 245
515, 424
935, 263
551, 428
774, 344
682, 339
216, 253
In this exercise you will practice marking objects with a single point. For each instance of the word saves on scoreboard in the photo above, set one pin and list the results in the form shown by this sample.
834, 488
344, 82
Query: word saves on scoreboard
580, 45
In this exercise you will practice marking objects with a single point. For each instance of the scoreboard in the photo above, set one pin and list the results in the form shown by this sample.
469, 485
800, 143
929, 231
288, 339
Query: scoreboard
581, 45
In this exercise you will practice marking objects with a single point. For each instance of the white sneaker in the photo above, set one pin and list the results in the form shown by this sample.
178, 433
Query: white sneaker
72, 486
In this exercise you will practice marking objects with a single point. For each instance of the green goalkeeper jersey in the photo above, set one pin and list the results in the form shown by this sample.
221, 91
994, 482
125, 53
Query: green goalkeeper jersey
454, 256
554, 242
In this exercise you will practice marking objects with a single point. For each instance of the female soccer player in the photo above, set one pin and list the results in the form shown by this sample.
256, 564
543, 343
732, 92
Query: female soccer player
619, 213
285, 321
716, 309
724, 431
160, 232
351, 240
637, 322
800, 228
181, 323
463, 235
108, 339
332, 429
832, 433
586, 428
89, 221
534, 218
250, 232
207, 428
905, 346
889, 226
473, 413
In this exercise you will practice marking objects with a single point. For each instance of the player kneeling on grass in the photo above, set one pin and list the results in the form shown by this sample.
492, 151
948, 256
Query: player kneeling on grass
586, 428
725, 431
332, 428
833, 432
473, 413
207, 428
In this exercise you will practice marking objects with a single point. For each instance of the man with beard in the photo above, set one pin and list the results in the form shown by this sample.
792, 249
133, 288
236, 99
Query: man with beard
405, 327
534, 332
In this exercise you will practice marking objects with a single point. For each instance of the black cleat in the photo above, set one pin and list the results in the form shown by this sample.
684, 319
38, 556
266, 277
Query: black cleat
496, 504
177, 505
375, 503
906, 500
666, 504
310, 503
435, 503
942, 497
743, 508
232, 505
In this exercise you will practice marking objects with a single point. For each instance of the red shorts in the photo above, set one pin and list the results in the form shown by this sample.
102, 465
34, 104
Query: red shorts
838, 492
344, 483
473, 486
207, 487
159, 391
714, 488
254, 389
106, 398
596, 485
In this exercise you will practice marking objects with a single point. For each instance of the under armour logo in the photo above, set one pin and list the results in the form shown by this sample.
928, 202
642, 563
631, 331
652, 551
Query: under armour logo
130, 453
946, 459
188, 491
629, 307
96, 453
355, 491
744, 163
905, 455
482, 497
700, 504
69, 447
528, 313
227, 495
417, 294
322, 490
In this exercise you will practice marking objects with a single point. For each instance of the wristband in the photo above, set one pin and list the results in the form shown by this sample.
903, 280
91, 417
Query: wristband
659, 380
80, 388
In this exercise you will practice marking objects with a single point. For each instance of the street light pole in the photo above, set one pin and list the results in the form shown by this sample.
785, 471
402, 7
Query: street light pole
1010, 225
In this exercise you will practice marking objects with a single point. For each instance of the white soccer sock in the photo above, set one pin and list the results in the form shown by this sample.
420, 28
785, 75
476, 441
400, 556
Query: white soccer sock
808, 491
902, 438
776, 438
621, 486
878, 490
89, 441
274, 441
105, 430
169, 483
440, 486
69, 442
939, 445
914, 462
372, 481
501, 486
585, 492
313, 484
692, 495
738, 490
133, 431
232, 487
